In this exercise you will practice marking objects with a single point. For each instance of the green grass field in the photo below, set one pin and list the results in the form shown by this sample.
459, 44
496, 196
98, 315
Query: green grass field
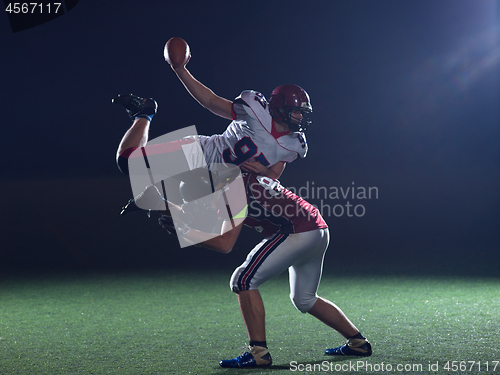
184, 323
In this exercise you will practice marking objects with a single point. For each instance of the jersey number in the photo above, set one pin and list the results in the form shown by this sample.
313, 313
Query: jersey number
244, 149
259, 98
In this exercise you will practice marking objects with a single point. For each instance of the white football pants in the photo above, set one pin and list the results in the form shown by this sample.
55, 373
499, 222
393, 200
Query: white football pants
301, 253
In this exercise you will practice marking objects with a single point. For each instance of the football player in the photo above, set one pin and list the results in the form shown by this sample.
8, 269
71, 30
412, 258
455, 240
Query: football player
296, 238
262, 137
271, 133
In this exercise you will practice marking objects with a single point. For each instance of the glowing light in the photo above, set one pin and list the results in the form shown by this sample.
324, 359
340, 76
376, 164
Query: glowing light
451, 73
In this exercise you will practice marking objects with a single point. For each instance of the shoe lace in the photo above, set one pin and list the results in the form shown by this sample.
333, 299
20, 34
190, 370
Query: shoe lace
244, 349
358, 346
345, 343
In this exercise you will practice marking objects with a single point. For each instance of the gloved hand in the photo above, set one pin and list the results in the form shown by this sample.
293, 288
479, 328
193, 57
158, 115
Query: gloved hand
167, 223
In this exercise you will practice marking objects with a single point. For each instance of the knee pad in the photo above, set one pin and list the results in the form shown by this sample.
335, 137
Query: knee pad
303, 303
122, 160
236, 283
122, 164
241, 281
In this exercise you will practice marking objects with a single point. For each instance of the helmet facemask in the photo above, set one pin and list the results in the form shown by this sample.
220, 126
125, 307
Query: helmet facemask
296, 124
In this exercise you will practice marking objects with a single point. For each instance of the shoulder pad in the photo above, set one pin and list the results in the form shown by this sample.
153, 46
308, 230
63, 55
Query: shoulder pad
303, 142
251, 103
251, 97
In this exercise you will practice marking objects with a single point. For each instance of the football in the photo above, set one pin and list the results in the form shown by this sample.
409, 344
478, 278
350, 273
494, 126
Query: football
176, 52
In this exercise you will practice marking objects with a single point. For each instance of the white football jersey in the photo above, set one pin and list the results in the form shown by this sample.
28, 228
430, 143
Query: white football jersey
250, 137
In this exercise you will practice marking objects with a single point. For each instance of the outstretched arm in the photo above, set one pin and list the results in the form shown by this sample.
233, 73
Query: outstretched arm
203, 95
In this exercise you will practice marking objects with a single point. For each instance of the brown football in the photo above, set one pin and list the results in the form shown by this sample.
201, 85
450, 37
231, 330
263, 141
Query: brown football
176, 51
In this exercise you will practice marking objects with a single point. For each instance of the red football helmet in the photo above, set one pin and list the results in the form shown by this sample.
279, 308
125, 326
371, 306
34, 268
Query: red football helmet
285, 100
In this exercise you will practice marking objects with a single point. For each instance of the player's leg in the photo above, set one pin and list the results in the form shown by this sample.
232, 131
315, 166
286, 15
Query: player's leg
305, 271
254, 315
169, 159
136, 136
269, 258
262, 263
305, 276
333, 316
141, 111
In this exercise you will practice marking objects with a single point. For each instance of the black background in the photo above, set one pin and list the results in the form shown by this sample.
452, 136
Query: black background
405, 98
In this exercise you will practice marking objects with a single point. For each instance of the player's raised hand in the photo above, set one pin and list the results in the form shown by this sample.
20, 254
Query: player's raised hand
182, 66
177, 52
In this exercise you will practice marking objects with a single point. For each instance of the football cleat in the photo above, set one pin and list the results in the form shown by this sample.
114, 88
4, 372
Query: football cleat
253, 356
135, 105
358, 347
